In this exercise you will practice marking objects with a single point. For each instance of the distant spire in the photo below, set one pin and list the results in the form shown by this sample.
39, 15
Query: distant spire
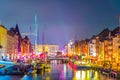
26, 37
17, 29
43, 37
30, 32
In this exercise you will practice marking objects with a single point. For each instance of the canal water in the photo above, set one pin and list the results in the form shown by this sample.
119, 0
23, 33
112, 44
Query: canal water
60, 71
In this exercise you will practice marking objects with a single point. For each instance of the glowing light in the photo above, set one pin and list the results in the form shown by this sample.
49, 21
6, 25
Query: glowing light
63, 53
83, 74
42, 55
94, 54
46, 48
83, 62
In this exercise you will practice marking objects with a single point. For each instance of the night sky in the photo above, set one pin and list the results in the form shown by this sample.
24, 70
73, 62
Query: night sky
61, 20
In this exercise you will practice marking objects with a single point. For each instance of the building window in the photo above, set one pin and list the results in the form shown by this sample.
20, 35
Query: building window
119, 47
118, 40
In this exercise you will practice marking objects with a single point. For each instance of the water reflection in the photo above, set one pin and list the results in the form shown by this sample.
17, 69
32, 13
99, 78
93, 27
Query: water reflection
5, 77
10, 77
60, 71
84, 75
89, 75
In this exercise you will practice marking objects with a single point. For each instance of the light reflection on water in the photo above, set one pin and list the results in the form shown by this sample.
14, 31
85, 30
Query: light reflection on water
60, 72
10, 77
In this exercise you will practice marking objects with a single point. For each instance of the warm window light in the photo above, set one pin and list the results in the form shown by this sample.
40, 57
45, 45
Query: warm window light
94, 54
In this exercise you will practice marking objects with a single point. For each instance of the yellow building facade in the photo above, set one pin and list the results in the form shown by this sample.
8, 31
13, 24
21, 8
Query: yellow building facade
116, 49
49, 48
3, 41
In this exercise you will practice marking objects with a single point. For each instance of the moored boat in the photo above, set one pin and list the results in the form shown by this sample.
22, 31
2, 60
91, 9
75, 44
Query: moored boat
9, 68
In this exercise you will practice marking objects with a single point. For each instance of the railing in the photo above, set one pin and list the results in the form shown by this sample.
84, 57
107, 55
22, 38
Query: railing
59, 58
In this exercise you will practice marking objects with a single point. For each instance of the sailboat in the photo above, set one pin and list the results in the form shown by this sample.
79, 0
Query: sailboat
42, 65
47, 65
